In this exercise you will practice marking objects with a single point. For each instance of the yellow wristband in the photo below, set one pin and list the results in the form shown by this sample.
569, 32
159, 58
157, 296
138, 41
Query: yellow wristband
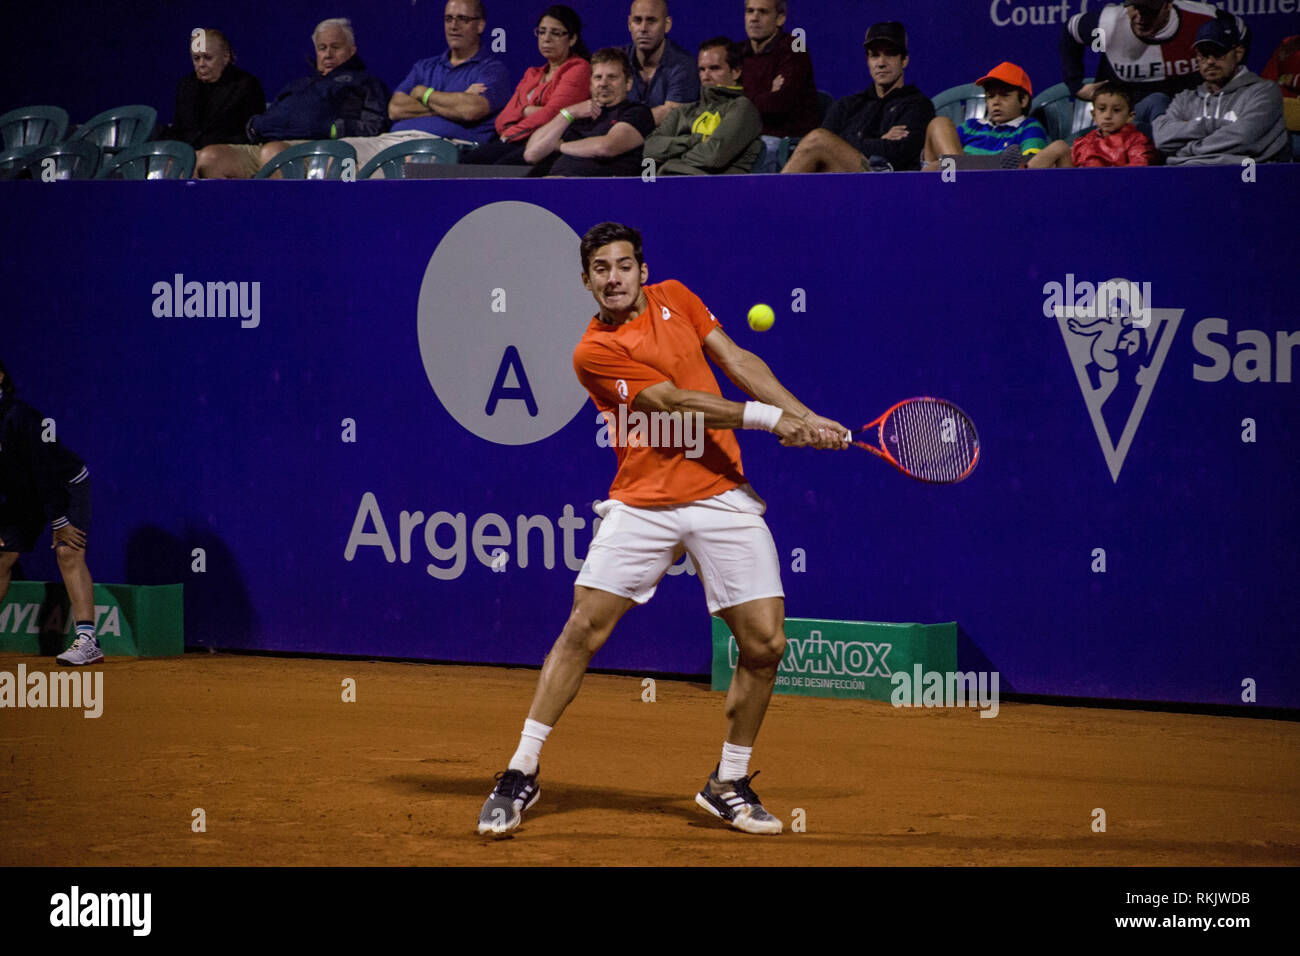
567, 115
427, 94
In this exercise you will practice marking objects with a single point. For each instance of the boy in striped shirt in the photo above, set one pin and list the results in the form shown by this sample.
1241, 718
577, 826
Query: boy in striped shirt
1007, 93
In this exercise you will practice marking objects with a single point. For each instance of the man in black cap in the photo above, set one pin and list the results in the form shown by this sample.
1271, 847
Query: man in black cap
881, 127
1232, 117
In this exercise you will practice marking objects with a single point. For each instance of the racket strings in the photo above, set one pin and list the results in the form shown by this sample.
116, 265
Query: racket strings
921, 445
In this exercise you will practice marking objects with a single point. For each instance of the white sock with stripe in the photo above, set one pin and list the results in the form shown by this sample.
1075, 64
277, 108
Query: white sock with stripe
529, 753
735, 762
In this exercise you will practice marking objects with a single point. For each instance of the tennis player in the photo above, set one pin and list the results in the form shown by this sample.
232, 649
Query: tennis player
42, 482
646, 349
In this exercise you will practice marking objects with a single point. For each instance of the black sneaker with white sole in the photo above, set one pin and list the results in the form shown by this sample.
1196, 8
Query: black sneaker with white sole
515, 792
736, 802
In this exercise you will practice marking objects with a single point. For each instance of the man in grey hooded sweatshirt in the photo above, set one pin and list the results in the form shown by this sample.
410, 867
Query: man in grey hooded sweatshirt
1233, 116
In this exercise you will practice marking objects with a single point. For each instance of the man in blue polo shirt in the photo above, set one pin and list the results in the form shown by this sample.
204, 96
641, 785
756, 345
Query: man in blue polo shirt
455, 96
664, 76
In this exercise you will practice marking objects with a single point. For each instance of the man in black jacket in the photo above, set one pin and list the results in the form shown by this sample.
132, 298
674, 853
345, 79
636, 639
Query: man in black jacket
886, 121
216, 101
339, 99
42, 482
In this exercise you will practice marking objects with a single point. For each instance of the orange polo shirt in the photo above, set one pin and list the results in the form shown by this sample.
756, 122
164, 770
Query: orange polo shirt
662, 344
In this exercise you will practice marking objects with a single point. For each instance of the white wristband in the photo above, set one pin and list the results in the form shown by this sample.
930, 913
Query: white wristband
758, 415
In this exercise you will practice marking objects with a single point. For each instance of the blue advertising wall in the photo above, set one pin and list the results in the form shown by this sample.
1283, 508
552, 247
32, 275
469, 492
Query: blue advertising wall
93, 56
385, 311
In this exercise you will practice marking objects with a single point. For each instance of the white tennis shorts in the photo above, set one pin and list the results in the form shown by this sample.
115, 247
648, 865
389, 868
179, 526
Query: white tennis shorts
725, 535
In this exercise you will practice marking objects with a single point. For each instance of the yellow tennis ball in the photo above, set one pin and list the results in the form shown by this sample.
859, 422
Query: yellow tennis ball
761, 317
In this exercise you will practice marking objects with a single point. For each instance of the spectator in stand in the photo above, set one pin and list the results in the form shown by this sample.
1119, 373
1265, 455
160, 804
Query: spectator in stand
888, 120
1008, 93
663, 72
216, 101
1115, 141
720, 133
1146, 44
1232, 117
778, 80
338, 99
564, 80
601, 136
455, 96
1283, 68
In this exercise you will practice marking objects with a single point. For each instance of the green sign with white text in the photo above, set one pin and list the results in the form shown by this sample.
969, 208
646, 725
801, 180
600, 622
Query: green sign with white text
850, 659
130, 621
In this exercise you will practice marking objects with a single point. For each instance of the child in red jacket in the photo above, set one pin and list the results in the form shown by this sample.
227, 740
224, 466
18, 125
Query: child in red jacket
1115, 141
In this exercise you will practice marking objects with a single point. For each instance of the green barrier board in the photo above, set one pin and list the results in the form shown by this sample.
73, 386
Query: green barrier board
856, 660
130, 621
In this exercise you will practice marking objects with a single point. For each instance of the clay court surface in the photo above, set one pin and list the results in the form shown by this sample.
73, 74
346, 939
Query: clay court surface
289, 774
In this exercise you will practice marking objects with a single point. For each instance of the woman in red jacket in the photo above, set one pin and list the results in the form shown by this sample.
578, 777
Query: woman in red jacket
563, 80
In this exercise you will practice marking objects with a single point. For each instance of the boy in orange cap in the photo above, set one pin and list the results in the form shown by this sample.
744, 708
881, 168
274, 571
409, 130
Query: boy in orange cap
1007, 94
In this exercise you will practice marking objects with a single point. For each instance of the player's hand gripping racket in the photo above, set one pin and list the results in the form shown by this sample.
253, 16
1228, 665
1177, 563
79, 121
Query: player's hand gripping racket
925, 438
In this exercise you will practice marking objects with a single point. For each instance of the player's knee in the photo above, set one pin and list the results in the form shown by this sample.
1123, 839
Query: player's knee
763, 652
581, 633
7, 561
69, 558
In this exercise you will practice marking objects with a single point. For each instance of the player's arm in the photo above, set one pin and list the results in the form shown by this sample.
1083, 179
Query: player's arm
753, 376
720, 412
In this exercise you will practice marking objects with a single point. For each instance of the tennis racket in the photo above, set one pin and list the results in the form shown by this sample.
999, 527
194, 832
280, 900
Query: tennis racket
925, 438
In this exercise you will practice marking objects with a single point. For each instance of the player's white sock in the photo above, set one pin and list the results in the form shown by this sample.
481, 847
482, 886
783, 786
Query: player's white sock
530, 747
86, 629
735, 762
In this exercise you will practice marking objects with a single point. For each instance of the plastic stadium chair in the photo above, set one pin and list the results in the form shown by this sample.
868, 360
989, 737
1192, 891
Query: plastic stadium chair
1081, 118
32, 126
1055, 108
75, 159
393, 160
961, 103
319, 159
1063, 116
14, 161
118, 129
164, 159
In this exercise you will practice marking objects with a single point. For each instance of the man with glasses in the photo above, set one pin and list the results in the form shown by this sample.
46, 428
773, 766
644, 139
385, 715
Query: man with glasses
663, 74
455, 95
1232, 117
1144, 44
